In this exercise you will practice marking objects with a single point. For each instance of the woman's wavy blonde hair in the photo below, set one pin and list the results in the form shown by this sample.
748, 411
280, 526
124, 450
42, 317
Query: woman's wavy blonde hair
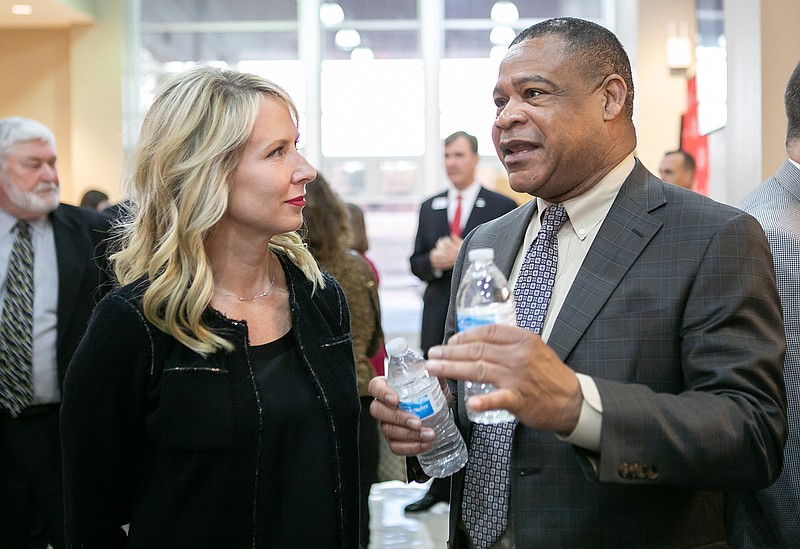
189, 146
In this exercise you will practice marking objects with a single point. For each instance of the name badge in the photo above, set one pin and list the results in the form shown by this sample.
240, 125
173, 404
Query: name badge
439, 203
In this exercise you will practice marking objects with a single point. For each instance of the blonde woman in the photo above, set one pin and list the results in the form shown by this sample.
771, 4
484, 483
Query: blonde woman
213, 401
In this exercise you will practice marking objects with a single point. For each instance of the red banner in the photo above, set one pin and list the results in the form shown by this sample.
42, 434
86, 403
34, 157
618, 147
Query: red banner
691, 140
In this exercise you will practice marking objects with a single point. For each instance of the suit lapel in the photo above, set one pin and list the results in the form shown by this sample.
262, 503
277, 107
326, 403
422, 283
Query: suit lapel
69, 254
625, 232
441, 226
478, 213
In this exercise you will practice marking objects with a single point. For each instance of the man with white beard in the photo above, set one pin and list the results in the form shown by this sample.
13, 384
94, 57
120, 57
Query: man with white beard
51, 275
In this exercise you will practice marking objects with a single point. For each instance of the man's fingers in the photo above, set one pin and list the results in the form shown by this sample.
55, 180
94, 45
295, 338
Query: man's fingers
406, 441
394, 415
398, 433
409, 448
478, 371
497, 399
486, 336
379, 388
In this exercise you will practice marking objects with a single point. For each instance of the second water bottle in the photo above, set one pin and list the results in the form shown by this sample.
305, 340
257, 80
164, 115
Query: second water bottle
484, 298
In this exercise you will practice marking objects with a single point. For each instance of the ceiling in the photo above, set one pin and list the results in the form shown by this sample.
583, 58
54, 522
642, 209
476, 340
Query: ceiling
47, 14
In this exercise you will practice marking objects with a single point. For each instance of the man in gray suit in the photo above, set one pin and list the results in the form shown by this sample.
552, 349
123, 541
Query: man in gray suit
771, 517
655, 384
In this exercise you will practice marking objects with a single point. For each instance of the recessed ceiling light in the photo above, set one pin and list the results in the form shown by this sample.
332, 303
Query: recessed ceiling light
347, 39
22, 9
504, 13
362, 54
331, 13
502, 36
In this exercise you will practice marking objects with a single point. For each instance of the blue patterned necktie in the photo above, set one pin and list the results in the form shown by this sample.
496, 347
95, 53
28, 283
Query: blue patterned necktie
538, 272
16, 326
487, 479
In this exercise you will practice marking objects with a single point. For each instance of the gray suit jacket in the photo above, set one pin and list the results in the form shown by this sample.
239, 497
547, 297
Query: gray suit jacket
676, 316
771, 517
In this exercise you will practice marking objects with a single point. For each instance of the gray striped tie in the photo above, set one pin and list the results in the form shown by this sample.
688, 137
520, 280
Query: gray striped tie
16, 326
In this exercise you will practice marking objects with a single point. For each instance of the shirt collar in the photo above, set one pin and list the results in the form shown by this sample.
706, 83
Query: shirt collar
8, 222
467, 195
590, 209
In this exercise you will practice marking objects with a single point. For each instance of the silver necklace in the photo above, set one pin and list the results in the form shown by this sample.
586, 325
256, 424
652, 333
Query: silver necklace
265, 293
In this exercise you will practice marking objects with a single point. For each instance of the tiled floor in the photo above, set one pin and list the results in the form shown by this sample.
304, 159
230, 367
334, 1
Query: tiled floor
391, 528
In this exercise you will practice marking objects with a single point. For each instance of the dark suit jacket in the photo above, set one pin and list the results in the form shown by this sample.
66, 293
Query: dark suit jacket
676, 316
433, 225
82, 274
771, 517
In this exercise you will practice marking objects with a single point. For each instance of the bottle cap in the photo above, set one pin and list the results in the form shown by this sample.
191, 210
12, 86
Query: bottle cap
481, 254
397, 346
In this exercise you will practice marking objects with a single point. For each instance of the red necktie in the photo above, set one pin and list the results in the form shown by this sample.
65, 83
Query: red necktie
455, 224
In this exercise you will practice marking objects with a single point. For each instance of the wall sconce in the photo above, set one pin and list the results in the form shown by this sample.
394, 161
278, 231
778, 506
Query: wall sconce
679, 47
22, 9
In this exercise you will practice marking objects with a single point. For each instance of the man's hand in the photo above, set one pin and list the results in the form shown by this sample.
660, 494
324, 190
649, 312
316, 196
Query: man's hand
403, 430
532, 383
444, 255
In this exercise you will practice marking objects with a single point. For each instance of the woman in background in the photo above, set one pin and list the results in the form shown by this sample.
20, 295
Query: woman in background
361, 245
213, 401
329, 238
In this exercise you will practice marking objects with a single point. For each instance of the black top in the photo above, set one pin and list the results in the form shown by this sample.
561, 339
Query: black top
296, 494
183, 434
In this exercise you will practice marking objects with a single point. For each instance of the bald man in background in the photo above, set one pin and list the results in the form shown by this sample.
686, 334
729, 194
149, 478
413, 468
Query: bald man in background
678, 167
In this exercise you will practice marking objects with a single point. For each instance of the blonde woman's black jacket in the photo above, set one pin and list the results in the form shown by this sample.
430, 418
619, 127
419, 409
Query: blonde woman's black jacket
156, 436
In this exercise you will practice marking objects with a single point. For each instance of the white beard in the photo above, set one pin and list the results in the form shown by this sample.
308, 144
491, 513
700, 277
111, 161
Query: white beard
32, 201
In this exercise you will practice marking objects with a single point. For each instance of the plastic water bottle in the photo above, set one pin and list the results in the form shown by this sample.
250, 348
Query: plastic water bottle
483, 298
421, 395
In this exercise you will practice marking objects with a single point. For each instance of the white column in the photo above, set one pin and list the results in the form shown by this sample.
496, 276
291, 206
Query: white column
743, 133
309, 43
431, 42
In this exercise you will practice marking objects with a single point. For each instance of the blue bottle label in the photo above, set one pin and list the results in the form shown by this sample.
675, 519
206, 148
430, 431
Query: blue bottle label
422, 407
467, 322
493, 313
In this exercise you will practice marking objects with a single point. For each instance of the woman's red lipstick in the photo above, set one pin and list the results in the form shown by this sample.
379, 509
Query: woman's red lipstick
297, 201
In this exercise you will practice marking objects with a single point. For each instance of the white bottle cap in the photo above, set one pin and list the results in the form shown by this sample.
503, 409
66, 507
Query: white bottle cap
397, 346
481, 254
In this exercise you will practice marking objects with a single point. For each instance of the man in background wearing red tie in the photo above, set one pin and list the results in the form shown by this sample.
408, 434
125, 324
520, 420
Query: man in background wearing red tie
443, 220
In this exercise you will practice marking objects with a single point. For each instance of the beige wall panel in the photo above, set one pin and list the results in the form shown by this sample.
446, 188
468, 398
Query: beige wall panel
35, 65
661, 92
780, 53
97, 61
